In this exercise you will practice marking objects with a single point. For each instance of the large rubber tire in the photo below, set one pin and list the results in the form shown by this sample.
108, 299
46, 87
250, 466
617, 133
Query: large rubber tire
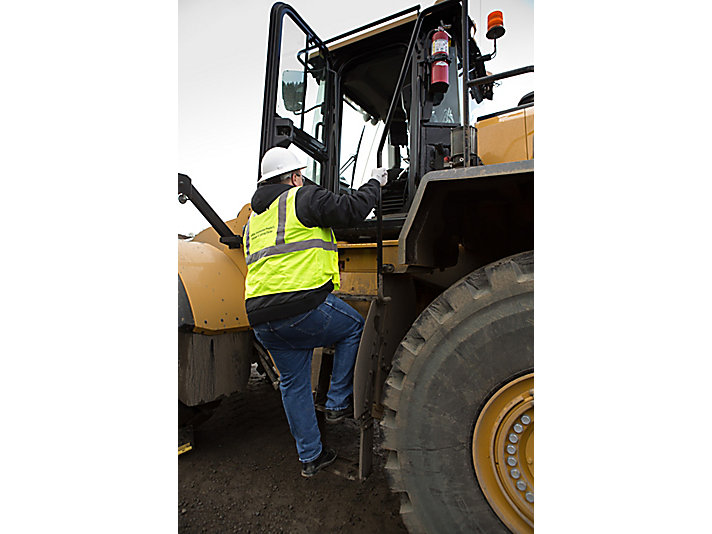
475, 337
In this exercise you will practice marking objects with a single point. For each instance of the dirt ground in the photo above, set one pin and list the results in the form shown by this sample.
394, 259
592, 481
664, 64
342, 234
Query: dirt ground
243, 475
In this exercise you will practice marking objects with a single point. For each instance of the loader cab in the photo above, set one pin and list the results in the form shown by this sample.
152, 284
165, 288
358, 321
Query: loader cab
328, 101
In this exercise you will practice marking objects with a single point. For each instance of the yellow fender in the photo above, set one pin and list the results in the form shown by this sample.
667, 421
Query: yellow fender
212, 281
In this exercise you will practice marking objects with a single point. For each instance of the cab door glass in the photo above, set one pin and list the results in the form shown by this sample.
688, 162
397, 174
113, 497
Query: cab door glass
446, 107
312, 170
302, 81
359, 143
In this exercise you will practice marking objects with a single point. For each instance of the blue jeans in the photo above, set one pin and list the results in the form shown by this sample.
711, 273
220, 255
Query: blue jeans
291, 342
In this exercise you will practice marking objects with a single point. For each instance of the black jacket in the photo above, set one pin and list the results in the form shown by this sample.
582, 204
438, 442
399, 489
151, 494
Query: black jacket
315, 206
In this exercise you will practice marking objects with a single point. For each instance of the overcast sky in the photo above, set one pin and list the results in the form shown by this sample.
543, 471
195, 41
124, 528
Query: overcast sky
222, 47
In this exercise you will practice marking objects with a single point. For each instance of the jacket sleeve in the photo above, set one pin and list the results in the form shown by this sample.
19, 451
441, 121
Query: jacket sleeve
315, 206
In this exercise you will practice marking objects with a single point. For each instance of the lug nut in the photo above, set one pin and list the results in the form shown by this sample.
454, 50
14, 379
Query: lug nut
515, 473
513, 438
526, 419
518, 428
521, 485
529, 496
512, 461
511, 449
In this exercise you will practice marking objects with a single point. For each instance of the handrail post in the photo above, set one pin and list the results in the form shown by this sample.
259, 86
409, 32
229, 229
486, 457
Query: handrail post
465, 46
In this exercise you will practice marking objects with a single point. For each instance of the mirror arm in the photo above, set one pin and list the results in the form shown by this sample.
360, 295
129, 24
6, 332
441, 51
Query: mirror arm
186, 192
306, 110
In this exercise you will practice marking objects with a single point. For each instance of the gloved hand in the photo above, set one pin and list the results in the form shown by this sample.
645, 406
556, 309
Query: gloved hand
380, 174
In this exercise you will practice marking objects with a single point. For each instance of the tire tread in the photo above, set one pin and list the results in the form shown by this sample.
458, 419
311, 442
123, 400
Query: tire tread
476, 285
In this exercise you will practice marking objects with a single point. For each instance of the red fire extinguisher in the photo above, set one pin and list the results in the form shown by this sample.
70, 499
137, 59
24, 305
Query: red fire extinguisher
440, 61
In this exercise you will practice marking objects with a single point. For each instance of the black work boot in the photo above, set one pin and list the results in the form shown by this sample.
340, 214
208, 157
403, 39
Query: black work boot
336, 416
327, 456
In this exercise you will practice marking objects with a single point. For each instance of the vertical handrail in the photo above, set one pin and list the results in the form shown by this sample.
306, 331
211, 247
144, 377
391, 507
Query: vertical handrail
379, 155
465, 45
379, 246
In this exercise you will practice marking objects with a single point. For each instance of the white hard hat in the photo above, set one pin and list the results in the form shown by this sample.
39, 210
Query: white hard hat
278, 160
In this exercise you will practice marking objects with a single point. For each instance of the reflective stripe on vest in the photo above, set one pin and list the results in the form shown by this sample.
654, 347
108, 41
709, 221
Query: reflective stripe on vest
283, 255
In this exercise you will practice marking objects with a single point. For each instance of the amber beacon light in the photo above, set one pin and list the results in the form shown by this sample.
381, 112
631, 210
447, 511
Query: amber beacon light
495, 25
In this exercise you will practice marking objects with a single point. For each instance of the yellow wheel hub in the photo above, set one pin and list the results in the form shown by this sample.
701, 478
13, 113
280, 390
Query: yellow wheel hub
503, 453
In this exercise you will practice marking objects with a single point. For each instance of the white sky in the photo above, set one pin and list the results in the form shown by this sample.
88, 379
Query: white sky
221, 69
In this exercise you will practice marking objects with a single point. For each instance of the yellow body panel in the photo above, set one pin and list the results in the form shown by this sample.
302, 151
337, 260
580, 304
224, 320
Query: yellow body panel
361, 257
215, 287
357, 266
236, 255
357, 269
506, 137
214, 279
529, 122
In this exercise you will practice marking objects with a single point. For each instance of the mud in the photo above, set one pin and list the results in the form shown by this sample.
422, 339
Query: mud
243, 475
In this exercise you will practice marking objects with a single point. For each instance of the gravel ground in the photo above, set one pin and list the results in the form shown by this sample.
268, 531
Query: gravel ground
243, 475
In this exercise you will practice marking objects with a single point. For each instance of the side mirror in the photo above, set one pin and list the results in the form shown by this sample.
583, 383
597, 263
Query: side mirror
293, 90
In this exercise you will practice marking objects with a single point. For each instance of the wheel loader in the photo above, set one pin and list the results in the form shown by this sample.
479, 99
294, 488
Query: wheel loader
442, 270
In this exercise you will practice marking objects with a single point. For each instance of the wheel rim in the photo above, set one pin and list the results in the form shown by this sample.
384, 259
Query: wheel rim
503, 453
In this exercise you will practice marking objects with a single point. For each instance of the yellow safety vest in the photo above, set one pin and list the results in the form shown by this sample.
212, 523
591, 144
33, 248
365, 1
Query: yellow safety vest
283, 255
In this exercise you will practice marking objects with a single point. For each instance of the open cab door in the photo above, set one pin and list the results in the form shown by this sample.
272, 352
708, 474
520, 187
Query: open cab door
298, 111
